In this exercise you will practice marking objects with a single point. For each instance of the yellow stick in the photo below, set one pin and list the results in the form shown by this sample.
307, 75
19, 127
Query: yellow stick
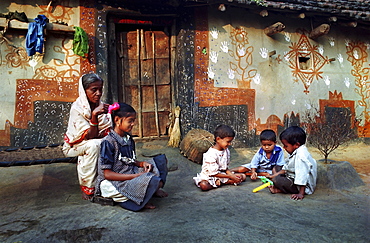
261, 187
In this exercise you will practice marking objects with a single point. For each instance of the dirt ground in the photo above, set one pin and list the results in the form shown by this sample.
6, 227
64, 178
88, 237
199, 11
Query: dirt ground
356, 153
42, 203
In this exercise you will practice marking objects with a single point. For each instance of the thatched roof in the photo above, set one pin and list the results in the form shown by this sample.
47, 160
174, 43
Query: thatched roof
318, 10
348, 10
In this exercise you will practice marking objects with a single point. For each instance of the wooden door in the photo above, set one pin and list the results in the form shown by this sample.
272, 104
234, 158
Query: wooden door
146, 84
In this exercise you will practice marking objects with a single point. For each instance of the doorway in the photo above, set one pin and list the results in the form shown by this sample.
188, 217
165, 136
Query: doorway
145, 77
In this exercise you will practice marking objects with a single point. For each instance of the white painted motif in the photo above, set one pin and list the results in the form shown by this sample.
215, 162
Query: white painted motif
213, 56
224, 46
331, 41
355, 54
346, 42
214, 33
321, 49
340, 58
241, 51
347, 83
327, 80
231, 73
287, 36
286, 56
264, 53
211, 73
257, 78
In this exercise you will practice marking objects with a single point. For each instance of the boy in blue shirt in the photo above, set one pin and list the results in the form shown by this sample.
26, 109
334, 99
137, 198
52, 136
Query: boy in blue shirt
268, 156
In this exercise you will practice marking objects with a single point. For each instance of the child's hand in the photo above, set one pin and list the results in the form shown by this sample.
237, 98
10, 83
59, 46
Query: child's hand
254, 176
240, 178
236, 178
147, 166
297, 196
272, 176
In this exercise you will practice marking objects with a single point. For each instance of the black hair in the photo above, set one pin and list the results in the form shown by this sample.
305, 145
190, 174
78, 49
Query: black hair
268, 134
90, 78
125, 110
293, 135
223, 131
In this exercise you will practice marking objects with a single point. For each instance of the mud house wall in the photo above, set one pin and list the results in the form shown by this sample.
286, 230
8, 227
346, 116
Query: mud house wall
38, 98
37, 91
223, 72
236, 81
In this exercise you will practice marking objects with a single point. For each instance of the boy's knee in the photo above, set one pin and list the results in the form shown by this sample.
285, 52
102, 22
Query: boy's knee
274, 180
240, 169
205, 186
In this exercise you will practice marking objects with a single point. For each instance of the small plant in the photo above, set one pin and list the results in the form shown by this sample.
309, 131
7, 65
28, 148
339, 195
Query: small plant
329, 129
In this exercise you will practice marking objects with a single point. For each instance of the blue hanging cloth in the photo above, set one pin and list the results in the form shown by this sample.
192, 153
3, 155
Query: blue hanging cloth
35, 35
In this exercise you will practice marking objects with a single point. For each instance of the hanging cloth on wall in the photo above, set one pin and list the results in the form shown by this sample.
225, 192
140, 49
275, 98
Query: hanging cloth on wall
10, 16
20, 16
80, 42
35, 35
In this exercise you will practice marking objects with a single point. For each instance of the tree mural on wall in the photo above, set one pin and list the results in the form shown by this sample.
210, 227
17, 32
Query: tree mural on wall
357, 56
306, 62
242, 55
206, 94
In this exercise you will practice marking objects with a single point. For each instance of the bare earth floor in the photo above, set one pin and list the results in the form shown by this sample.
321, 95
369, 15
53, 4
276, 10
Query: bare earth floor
42, 203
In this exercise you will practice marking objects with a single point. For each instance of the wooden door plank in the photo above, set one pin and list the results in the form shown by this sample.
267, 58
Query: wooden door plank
155, 85
140, 115
147, 80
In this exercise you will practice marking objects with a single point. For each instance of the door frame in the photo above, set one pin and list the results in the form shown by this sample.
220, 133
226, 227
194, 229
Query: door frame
113, 83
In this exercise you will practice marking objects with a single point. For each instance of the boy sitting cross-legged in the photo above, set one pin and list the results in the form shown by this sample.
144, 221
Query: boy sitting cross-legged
268, 159
298, 175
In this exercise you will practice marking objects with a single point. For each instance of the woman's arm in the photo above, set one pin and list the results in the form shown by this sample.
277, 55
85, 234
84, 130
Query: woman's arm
114, 176
93, 131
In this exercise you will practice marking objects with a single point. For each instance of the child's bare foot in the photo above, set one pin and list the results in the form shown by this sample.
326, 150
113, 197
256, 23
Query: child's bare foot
161, 193
85, 196
273, 189
149, 206
218, 182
